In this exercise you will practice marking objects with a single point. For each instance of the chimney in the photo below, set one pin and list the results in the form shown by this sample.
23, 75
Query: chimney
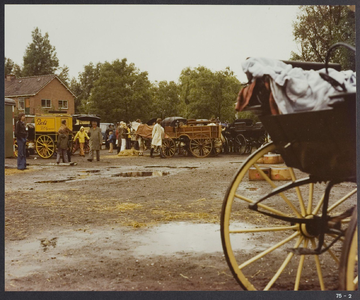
10, 77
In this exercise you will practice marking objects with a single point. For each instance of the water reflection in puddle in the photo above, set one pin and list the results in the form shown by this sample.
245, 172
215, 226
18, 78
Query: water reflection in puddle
141, 174
169, 239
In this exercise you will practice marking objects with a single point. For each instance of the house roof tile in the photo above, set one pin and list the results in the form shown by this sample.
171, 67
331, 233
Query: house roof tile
28, 86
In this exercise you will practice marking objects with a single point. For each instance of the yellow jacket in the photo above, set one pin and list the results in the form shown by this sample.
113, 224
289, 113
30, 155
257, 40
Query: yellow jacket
81, 135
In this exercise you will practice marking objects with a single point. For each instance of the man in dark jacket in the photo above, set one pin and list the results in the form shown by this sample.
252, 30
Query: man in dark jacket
21, 135
62, 146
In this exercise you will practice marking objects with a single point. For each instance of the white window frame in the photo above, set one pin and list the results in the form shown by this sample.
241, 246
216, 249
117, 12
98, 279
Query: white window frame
61, 104
48, 101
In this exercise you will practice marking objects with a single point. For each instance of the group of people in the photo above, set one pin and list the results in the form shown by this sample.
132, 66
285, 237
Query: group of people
118, 137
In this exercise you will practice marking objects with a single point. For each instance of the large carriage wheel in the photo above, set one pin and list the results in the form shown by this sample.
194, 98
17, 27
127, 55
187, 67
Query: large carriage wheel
240, 143
168, 147
257, 246
349, 277
200, 146
45, 146
16, 148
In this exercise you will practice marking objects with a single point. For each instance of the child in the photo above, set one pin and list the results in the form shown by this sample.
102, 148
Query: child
111, 140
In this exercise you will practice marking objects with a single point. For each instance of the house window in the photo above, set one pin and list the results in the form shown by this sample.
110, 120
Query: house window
45, 103
21, 105
63, 104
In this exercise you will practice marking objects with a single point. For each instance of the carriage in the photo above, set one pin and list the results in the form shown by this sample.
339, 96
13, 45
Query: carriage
297, 229
46, 132
199, 137
183, 136
85, 121
244, 135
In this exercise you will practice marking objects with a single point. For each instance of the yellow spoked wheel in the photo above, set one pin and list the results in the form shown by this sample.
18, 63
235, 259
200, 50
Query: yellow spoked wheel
45, 146
349, 277
16, 151
260, 249
201, 146
168, 147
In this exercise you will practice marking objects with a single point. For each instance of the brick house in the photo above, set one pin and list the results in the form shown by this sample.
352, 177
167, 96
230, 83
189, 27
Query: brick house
39, 94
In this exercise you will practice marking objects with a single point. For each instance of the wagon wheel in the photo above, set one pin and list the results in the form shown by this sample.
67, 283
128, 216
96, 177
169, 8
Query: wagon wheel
45, 146
240, 143
15, 148
200, 146
168, 147
349, 277
256, 246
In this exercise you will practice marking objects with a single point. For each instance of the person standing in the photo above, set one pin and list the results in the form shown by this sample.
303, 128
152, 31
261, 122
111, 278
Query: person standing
21, 135
82, 136
95, 141
62, 146
66, 130
158, 134
123, 133
111, 141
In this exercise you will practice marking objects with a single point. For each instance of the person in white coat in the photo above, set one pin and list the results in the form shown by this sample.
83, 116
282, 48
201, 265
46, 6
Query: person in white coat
158, 134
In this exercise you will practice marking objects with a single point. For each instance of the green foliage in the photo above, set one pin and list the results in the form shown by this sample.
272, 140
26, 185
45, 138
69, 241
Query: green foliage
11, 68
64, 75
82, 87
247, 115
318, 27
40, 57
121, 92
205, 94
166, 100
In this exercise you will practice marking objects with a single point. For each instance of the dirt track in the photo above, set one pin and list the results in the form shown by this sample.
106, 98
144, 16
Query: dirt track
109, 226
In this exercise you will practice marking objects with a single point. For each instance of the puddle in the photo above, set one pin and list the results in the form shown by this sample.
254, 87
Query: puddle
171, 167
168, 239
91, 171
141, 174
55, 181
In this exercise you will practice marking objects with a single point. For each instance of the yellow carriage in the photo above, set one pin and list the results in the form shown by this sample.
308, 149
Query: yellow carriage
46, 132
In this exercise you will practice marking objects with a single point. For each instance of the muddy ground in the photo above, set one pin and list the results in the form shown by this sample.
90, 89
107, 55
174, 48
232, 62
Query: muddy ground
121, 224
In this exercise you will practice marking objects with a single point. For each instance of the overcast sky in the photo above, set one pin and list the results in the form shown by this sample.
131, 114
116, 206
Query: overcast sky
161, 39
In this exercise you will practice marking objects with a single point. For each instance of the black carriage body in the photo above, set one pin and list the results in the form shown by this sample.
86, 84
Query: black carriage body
320, 143
247, 127
84, 120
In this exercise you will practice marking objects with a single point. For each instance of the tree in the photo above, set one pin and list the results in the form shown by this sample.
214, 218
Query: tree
11, 68
64, 75
205, 94
40, 57
166, 101
320, 26
82, 88
121, 92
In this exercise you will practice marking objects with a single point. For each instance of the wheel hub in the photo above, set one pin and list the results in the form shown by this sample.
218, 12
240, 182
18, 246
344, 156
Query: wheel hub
310, 230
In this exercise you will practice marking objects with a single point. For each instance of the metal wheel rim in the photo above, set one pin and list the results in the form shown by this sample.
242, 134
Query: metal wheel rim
45, 146
228, 231
168, 147
201, 146
240, 143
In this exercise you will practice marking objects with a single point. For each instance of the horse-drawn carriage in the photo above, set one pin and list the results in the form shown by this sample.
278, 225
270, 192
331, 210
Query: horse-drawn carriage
243, 135
198, 137
303, 232
85, 121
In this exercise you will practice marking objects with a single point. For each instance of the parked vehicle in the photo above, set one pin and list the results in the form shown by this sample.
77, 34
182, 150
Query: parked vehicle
244, 135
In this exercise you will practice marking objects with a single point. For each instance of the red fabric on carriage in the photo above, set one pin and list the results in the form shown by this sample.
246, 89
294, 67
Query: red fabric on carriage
245, 94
